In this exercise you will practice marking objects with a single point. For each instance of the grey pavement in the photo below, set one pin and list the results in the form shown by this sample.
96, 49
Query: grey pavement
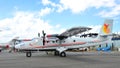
73, 60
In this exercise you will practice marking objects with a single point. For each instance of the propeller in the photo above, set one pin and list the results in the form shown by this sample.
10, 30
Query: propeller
38, 34
43, 37
13, 43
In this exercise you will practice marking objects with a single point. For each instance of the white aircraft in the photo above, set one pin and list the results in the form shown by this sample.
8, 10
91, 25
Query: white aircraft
11, 44
8, 45
59, 43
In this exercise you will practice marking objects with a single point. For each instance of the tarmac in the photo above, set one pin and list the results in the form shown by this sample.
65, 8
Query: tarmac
73, 60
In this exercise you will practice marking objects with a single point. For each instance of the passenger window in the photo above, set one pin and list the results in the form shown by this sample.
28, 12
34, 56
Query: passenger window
56, 41
74, 41
47, 41
53, 41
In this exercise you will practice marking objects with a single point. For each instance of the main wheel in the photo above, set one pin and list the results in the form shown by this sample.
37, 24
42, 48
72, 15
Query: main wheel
28, 54
63, 54
56, 53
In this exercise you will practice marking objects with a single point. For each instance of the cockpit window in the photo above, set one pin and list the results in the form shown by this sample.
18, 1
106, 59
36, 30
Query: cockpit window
35, 39
17, 42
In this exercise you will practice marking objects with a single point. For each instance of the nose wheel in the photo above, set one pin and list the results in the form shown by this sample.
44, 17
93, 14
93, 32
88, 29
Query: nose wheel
28, 54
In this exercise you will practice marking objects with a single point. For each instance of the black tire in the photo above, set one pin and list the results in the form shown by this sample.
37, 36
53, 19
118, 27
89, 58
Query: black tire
62, 54
56, 53
28, 54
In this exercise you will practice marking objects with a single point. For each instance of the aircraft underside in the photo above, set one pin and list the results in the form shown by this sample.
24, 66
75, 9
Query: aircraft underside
56, 53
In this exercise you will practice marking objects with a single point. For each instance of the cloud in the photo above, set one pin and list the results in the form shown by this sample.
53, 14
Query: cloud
78, 6
58, 7
45, 11
46, 2
75, 6
114, 12
103, 3
24, 25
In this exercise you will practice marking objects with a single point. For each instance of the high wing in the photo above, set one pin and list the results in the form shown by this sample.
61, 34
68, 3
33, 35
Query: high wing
75, 30
70, 32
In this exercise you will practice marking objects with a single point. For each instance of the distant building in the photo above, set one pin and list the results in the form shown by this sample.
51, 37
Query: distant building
116, 40
114, 44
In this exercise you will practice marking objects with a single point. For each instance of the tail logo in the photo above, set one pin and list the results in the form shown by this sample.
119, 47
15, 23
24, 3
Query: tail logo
106, 29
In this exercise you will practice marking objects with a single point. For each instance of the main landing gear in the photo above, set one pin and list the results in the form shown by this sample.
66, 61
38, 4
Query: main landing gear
62, 54
56, 53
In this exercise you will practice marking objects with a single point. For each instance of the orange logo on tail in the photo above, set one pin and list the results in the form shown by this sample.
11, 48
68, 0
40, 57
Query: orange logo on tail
106, 29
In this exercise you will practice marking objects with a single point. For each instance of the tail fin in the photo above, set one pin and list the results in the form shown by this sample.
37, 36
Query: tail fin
107, 27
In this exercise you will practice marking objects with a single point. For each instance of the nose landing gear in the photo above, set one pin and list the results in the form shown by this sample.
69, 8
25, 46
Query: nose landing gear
28, 54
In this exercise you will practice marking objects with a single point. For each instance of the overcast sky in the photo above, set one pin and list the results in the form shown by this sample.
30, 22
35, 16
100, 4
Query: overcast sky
25, 18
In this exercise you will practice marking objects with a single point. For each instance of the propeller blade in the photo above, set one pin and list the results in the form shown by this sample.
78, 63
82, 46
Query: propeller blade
43, 33
38, 34
43, 37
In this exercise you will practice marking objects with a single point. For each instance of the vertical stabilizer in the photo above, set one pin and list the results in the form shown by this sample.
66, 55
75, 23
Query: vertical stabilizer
107, 27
